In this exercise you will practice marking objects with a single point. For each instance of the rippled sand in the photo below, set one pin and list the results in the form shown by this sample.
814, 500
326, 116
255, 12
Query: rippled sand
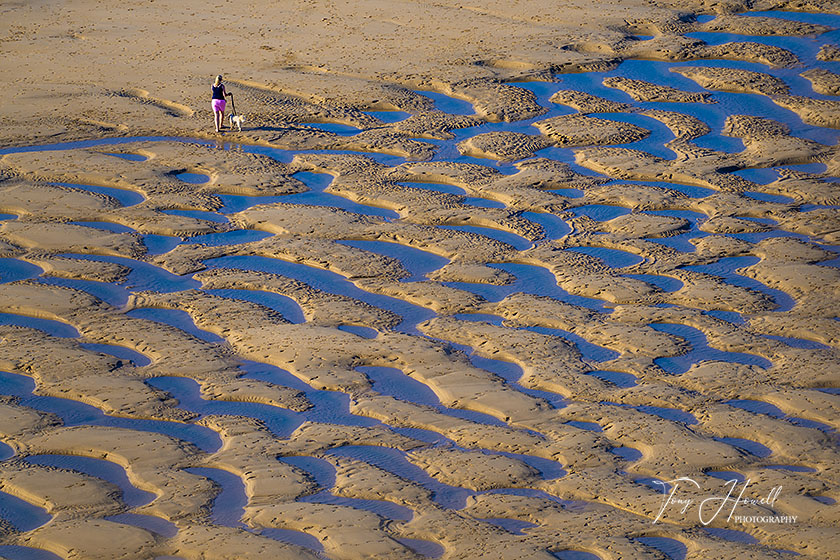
472, 282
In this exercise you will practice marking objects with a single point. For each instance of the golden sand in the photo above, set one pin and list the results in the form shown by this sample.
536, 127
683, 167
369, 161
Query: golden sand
496, 357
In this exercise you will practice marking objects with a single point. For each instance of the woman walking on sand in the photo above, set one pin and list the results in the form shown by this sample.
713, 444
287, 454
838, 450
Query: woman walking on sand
219, 102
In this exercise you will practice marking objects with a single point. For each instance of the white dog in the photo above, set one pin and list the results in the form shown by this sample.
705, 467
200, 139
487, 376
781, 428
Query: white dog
237, 120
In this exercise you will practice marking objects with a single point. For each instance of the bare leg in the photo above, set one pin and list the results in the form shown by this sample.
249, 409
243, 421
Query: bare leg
217, 120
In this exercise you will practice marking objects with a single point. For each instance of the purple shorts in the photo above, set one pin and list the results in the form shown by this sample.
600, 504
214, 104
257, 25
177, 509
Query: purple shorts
219, 105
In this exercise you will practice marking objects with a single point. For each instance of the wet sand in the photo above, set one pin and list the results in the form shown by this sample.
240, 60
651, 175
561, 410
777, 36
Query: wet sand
472, 281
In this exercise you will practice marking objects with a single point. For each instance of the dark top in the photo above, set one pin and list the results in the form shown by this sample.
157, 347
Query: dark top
218, 91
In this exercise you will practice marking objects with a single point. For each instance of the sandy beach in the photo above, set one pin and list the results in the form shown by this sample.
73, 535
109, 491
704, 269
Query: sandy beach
501, 280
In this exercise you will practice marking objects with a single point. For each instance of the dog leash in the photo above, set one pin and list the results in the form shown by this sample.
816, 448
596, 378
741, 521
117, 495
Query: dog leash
232, 105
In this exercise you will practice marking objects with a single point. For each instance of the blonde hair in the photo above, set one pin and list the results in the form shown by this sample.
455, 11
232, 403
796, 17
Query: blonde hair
218, 80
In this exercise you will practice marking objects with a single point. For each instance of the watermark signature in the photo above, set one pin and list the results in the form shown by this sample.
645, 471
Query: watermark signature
710, 508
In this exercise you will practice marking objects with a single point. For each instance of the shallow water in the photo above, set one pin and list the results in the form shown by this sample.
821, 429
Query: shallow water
359, 330
395, 462
588, 350
128, 156
798, 342
769, 197
672, 548
700, 351
760, 407
18, 552
553, 226
478, 202
532, 279
160, 244
285, 306
727, 269
419, 263
655, 143
328, 282
145, 276
193, 178
617, 378
448, 104
727, 475
123, 196
99, 468
393, 382
429, 549
792, 468
575, 555
6, 452
52, 328
747, 446
329, 407
627, 453
75, 413
280, 421
731, 535
664, 283
511, 373
174, 318
315, 196
384, 509
113, 294
655, 484
229, 504
336, 128
600, 212
233, 237
12, 270
389, 116
21, 515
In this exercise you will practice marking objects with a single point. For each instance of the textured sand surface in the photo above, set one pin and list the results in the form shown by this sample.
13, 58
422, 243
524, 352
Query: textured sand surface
474, 280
